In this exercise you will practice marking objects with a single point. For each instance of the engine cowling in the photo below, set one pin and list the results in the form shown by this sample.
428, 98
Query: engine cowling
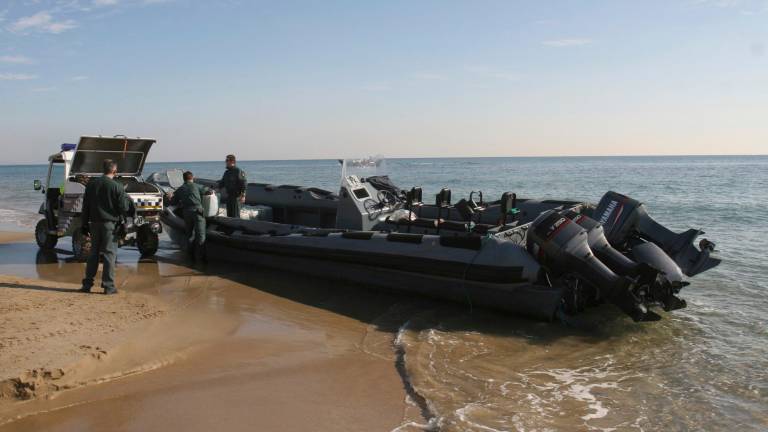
562, 246
650, 266
624, 218
614, 259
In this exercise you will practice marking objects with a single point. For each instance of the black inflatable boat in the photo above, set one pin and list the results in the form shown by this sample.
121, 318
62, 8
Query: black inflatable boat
537, 258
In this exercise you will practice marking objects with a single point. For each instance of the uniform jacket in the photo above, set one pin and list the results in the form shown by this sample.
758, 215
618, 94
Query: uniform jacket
234, 181
189, 196
105, 200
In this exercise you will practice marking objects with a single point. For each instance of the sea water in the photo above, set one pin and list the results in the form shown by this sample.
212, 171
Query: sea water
701, 368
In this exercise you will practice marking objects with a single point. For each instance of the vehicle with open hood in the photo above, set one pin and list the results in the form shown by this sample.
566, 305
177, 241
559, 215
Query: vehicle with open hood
69, 171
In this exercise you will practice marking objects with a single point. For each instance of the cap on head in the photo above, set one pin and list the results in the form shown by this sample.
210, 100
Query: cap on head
231, 157
188, 176
108, 166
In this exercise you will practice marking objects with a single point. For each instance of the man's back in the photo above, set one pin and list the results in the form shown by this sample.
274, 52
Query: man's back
105, 200
189, 196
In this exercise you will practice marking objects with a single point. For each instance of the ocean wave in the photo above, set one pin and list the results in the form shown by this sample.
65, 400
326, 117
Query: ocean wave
20, 218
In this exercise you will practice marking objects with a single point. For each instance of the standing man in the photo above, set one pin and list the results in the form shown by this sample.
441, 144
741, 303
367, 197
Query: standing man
104, 204
234, 182
190, 197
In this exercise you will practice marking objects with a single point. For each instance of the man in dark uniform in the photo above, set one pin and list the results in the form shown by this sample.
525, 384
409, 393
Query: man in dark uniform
104, 204
235, 183
190, 197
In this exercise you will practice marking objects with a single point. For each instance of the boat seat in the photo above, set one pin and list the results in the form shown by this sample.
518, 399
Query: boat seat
474, 204
443, 202
418, 222
509, 210
424, 223
414, 196
471, 211
443, 198
413, 199
465, 209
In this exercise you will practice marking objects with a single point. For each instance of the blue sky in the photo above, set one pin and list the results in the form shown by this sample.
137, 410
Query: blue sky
279, 80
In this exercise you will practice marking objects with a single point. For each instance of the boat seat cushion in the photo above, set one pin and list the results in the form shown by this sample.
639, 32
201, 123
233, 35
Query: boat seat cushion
462, 241
423, 223
418, 222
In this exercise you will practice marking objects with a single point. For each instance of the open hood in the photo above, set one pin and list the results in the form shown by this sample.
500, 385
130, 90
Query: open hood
129, 153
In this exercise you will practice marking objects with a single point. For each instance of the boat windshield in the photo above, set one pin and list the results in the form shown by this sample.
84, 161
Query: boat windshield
364, 167
172, 178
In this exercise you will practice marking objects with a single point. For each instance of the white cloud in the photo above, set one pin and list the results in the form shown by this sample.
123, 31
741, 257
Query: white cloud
560, 43
15, 59
99, 3
79, 78
42, 22
16, 77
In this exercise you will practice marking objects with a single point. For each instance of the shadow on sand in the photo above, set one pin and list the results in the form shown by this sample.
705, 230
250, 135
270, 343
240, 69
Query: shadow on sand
375, 305
39, 288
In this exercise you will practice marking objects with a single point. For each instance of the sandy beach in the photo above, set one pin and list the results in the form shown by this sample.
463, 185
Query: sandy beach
178, 348
45, 325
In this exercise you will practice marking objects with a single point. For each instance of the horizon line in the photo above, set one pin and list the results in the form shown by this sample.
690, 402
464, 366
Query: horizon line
443, 157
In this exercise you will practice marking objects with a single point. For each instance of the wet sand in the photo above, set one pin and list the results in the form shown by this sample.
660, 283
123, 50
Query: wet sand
178, 349
48, 333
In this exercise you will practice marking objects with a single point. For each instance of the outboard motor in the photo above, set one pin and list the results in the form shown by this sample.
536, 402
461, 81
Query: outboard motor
671, 274
562, 245
651, 266
624, 218
606, 253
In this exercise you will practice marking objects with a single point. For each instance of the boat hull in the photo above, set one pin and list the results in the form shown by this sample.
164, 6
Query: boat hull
488, 272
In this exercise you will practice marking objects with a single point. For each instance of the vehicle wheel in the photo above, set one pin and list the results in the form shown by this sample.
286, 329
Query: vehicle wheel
146, 241
44, 239
81, 245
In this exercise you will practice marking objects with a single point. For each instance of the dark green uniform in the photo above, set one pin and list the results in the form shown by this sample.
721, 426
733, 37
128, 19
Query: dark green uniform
104, 204
190, 197
234, 182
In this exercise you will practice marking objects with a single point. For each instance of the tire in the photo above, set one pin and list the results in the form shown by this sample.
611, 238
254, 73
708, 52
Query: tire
146, 241
45, 240
81, 245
